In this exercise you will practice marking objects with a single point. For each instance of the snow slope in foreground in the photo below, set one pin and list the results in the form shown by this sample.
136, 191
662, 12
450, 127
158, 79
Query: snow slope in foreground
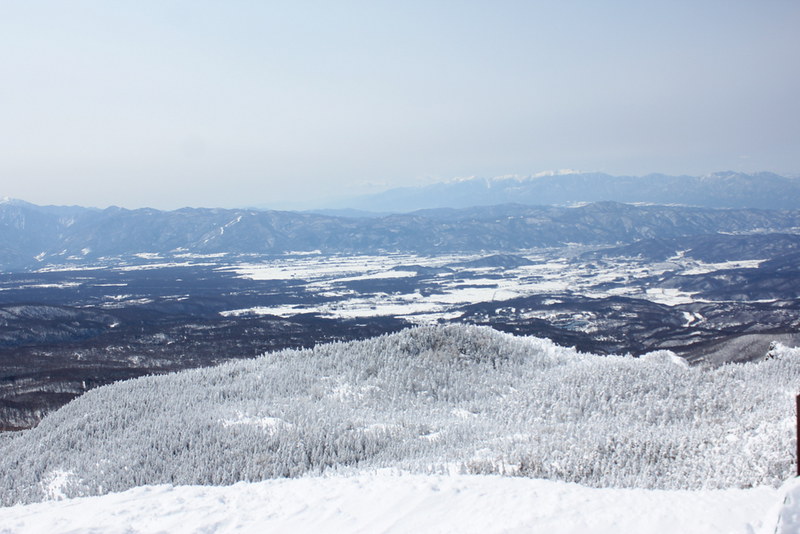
393, 503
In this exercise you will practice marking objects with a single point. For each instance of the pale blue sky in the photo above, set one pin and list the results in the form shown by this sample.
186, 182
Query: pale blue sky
235, 103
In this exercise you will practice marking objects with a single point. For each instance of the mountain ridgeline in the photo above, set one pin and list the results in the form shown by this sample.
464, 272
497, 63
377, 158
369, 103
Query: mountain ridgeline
31, 235
718, 190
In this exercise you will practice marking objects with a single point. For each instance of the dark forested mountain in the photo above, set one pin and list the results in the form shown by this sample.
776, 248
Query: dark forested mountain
718, 190
32, 235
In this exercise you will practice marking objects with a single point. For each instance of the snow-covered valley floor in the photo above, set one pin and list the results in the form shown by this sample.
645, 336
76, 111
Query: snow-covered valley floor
389, 502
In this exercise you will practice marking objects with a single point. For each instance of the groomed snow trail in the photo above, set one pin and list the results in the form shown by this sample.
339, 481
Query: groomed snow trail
386, 502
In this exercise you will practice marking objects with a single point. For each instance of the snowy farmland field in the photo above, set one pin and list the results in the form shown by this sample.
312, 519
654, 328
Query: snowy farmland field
457, 283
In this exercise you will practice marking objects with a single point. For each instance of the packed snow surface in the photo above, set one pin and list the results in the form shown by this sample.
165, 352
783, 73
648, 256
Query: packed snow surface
389, 502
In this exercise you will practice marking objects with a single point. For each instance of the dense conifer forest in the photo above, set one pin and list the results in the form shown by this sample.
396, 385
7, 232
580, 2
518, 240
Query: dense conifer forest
430, 399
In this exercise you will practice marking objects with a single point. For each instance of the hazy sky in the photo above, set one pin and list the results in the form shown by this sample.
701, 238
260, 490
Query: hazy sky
240, 103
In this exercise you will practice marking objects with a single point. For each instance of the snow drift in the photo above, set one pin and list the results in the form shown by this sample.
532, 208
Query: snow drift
393, 503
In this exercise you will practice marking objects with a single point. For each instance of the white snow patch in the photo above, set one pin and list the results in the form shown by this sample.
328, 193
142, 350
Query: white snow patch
268, 424
557, 172
665, 356
278, 311
433, 436
316, 252
669, 296
119, 300
118, 297
191, 256
423, 319
703, 268
314, 267
62, 285
67, 268
378, 276
55, 482
228, 225
150, 266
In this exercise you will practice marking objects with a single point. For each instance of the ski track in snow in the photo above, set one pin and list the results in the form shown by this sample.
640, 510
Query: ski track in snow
389, 502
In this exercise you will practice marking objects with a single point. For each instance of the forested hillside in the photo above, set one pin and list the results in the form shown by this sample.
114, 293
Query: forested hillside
425, 399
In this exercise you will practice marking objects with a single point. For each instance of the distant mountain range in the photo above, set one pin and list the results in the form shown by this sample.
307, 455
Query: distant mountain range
719, 190
32, 236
